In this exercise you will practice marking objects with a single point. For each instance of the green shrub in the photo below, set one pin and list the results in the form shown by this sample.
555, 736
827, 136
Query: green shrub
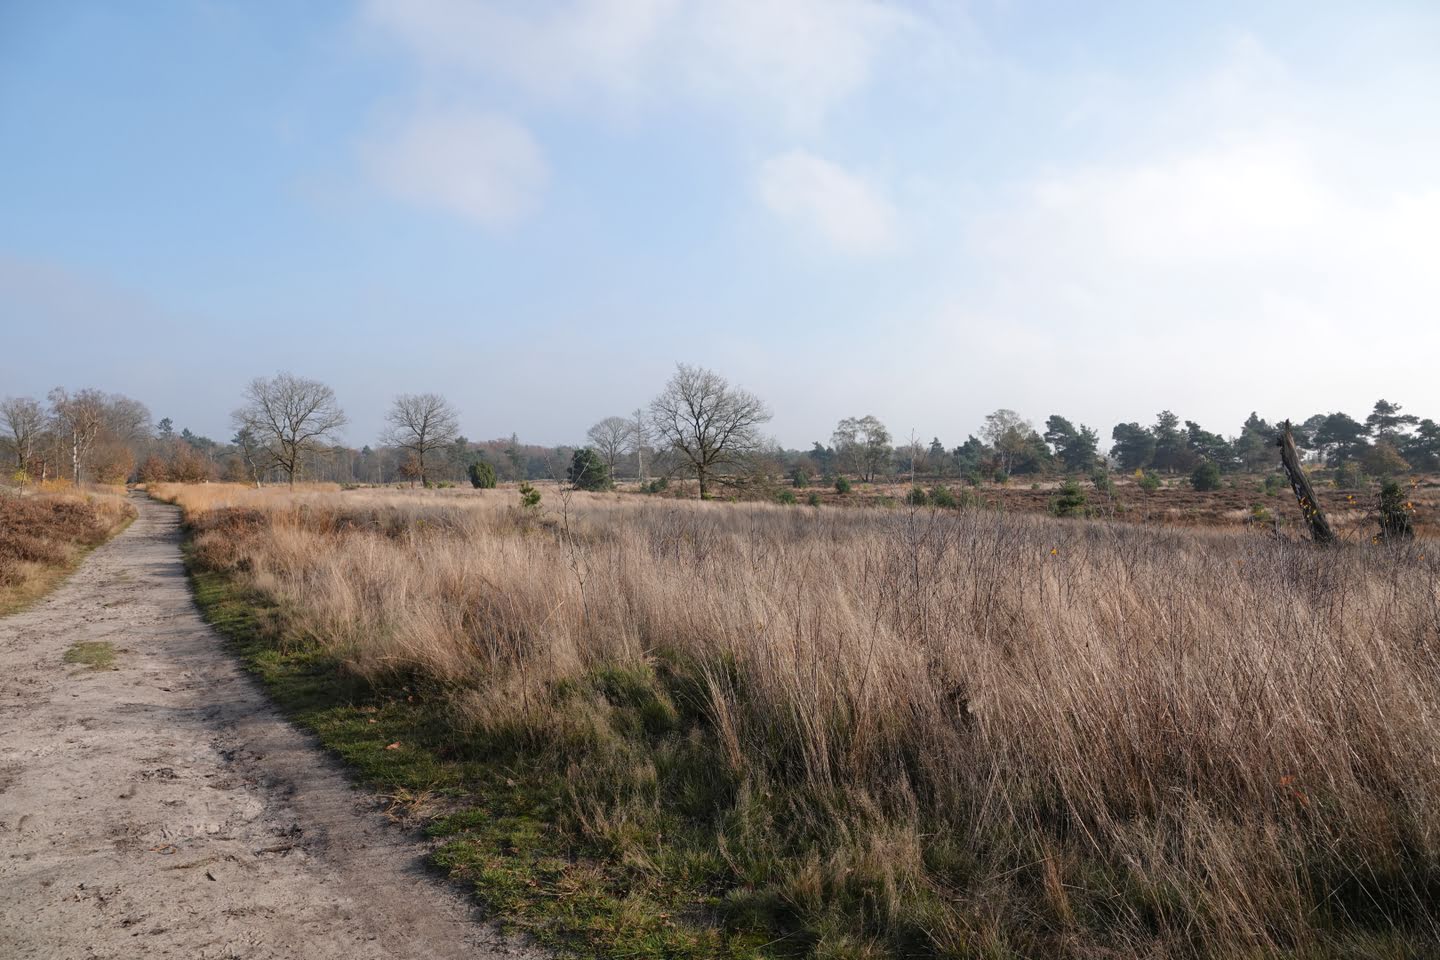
916, 497
655, 486
482, 475
1150, 481
1394, 513
800, 478
942, 497
529, 496
1259, 513
1272, 484
786, 497
1103, 483
1001, 477
1206, 477
1347, 477
974, 479
1070, 502
587, 471
813, 499
842, 485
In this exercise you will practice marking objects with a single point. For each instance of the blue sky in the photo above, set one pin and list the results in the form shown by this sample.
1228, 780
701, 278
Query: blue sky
918, 210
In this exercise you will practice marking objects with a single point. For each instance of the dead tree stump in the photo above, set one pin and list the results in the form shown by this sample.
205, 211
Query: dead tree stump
1320, 530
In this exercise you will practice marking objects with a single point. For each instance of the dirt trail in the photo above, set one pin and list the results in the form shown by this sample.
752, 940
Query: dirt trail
163, 809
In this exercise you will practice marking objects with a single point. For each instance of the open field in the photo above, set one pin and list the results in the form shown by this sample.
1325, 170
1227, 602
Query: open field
872, 732
44, 535
1352, 509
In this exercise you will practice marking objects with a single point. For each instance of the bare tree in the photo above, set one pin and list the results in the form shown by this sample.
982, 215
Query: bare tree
291, 418
78, 418
610, 437
419, 424
640, 440
24, 421
709, 424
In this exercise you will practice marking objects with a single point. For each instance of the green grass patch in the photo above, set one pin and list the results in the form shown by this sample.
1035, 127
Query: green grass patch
503, 804
95, 654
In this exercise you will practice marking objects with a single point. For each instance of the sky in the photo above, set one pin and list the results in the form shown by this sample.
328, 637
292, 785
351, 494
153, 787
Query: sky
922, 211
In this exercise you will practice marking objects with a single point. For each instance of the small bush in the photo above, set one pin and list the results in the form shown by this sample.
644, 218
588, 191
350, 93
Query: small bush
482, 475
1206, 477
916, 497
787, 497
529, 496
800, 478
1272, 484
1070, 502
1395, 513
658, 485
587, 471
813, 499
1150, 481
842, 485
1103, 483
942, 497
1347, 477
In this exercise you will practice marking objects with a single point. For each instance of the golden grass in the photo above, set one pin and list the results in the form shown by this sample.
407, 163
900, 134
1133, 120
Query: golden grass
964, 733
45, 533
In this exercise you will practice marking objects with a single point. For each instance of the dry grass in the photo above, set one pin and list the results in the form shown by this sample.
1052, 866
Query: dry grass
965, 733
44, 534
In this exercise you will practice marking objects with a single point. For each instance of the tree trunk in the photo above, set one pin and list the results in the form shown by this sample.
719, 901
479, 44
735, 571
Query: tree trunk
700, 472
1320, 530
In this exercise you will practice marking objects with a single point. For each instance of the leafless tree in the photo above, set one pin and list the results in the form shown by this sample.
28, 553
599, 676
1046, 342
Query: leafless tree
419, 424
640, 440
709, 424
78, 418
24, 421
291, 418
610, 437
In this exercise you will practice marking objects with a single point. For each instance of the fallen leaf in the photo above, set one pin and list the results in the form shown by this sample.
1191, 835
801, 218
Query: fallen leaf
393, 746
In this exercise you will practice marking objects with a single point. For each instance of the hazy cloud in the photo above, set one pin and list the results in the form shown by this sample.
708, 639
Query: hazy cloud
481, 166
829, 202
793, 60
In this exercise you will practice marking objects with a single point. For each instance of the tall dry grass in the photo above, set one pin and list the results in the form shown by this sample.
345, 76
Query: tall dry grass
965, 733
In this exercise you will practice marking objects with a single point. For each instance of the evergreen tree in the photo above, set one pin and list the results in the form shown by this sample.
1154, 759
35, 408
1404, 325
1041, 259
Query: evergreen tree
1134, 446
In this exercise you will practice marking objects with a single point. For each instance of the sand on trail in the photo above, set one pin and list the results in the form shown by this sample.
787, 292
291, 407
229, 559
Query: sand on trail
163, 808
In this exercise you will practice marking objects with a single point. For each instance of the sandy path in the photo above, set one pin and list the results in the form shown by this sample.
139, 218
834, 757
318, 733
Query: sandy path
163, 809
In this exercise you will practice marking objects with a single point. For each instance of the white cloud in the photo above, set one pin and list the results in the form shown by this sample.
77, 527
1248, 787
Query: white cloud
480, 166
793, 61
823, 198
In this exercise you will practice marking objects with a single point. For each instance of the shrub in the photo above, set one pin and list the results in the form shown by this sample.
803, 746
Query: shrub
801, 478
1070, 502
916, 497
842, 485
1150, 481
1259, 513
974, 479
1272, 485
1001, 477
942, 497
1347, 477
1394, 513
657, 485
813, 499
529, 496
786, 497
1103, 483
482, 475
1206, 477
587, 471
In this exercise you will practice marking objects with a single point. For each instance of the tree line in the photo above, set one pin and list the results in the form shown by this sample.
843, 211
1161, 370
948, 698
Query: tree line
699, 426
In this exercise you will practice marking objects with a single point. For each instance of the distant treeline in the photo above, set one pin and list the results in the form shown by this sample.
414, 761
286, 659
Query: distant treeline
698, 426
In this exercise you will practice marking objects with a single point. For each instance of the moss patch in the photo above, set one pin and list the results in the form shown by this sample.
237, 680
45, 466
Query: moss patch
95, 654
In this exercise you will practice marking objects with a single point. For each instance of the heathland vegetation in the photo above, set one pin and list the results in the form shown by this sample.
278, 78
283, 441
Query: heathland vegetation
44, 534
667, 727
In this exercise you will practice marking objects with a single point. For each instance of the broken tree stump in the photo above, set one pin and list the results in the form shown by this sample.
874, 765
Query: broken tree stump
1320, 530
